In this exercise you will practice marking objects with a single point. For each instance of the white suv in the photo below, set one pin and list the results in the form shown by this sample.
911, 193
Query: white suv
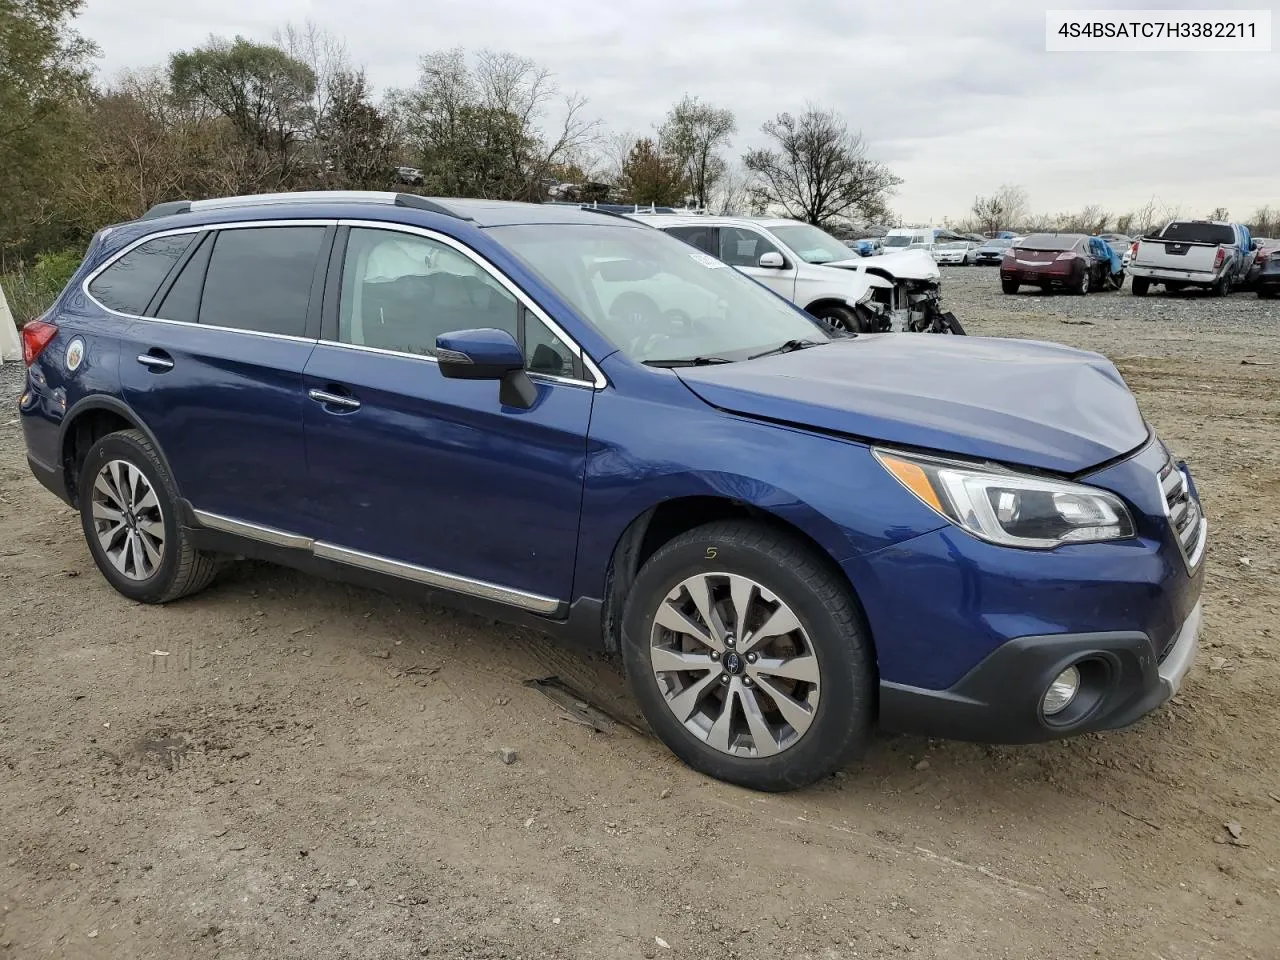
815, 271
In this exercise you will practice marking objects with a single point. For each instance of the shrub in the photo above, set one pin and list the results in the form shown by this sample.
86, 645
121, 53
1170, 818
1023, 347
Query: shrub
30, 291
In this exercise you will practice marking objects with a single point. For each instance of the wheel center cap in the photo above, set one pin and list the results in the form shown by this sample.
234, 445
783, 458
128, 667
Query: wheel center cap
732, 663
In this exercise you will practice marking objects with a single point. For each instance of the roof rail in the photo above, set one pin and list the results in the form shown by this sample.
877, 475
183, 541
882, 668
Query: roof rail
409, 200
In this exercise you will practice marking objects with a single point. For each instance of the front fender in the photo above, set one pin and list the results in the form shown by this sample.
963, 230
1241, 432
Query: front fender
652, 440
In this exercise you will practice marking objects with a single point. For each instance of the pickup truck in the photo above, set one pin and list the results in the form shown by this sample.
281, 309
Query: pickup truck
1193, 253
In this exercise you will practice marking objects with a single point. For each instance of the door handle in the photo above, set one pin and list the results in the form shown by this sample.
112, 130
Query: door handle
333, 399
155, 362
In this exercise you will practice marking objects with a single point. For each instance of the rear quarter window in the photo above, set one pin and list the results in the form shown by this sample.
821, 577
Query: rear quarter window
128, 285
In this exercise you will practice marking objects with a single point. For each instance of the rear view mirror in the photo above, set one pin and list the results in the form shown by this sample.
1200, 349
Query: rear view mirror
487, 354
771, 260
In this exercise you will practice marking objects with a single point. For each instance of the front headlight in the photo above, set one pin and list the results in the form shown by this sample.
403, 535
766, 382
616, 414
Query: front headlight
1012, 509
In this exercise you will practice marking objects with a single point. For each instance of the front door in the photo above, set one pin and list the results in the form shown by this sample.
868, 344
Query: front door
742, 248
432, 479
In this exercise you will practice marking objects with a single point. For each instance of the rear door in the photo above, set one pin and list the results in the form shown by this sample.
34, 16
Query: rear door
215, 369
742, 248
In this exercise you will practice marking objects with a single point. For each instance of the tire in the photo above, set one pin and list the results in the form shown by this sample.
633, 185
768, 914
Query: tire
829, 630
1140, 286
1266, 293
1082, 288
945, 323
160, 564
840, 317
1222, 287
1009, 286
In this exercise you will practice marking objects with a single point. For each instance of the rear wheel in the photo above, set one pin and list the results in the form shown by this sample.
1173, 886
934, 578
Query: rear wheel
1266, 293
1222, 286
748, 656
1081, 286
1140, 286
1009, 286
129, 513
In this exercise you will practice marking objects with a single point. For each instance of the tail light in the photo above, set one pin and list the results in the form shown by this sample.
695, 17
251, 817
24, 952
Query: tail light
36, 335
1263, 256
1133, 251
1068, 255
1220, 258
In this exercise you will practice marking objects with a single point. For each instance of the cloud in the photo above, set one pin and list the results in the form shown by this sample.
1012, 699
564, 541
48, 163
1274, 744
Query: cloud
958, 96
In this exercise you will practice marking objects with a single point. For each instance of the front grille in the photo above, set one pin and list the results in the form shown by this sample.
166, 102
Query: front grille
1184, 513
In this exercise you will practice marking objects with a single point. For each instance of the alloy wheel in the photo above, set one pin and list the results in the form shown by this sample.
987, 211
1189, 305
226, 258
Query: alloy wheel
128, 520
735, 665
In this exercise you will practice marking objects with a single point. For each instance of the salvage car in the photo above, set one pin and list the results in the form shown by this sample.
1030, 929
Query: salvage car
891, 292
990, 253
1265, 275
961, 252
570, 421
1209, 254
1060, 261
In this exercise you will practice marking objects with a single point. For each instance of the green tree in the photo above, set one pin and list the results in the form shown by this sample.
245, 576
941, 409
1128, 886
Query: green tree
694, 133
44, 91
649, 176
261, 90
356, 142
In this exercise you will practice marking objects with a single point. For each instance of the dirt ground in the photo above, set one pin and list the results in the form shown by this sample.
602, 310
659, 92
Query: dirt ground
313, 771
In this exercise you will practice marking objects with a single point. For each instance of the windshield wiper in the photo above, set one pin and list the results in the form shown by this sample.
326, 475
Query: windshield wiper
686, 362
788, 347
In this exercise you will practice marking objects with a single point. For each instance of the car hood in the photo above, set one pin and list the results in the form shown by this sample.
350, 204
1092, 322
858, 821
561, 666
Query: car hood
1016, 401
903, 265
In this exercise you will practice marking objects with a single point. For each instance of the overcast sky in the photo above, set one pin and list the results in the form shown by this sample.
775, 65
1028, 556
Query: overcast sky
957, 96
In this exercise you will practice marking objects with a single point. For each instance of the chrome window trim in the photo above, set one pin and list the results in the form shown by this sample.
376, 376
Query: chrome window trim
534, 374
321, 550
596, 380
237, 225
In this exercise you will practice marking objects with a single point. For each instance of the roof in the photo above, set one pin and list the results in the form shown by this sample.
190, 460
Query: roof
702, 219
326, 203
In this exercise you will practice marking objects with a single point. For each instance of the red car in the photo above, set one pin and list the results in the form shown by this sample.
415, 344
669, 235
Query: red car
1064, 261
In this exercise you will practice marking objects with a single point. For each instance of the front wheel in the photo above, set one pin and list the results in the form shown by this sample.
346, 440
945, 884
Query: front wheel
129, 512
748, 656
840, 318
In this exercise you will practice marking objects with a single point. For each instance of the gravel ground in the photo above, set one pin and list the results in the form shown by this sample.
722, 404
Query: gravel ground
314, 770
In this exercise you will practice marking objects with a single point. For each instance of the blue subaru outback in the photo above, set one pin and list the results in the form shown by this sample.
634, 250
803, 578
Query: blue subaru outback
572, 421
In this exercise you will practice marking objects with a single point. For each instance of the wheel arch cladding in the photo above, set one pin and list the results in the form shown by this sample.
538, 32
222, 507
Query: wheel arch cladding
89, 421
662, 523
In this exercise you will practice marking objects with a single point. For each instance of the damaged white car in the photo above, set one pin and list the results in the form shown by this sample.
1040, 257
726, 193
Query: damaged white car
892, 292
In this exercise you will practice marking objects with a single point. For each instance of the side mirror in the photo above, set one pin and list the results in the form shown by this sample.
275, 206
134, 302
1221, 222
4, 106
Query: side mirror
487, 354
771, 260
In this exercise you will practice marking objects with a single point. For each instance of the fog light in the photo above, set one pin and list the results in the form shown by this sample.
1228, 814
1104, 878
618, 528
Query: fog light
1061, 692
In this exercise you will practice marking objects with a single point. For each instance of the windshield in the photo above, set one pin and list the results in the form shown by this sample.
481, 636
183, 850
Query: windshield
898, 240
955, 245
811, 244
656, 298
999, 244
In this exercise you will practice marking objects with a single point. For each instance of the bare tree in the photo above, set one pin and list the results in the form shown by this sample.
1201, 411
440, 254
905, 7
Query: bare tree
326, 55
694, 133
1003, 210
1265, 222
818, 170
730, 195
1219, 213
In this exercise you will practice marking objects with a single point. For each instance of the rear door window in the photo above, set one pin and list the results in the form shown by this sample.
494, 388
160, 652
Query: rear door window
182, 300
128, 285
702, 237
260, 278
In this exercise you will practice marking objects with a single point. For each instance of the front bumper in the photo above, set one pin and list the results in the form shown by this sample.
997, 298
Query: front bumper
1125, 677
